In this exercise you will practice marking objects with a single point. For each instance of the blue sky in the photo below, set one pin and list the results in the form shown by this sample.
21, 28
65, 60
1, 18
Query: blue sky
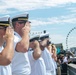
57, 17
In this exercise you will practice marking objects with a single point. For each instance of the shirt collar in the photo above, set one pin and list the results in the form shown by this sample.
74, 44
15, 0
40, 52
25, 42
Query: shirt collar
15, 33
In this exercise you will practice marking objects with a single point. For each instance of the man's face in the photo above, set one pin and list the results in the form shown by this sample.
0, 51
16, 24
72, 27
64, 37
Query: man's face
43, 42
20, 25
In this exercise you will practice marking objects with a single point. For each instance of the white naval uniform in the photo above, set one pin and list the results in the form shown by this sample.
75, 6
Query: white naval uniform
55, 67
48, 61
20, 62
5, 70
37, 66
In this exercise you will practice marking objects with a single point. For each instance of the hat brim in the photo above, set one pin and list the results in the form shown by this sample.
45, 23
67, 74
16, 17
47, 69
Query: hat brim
2, 24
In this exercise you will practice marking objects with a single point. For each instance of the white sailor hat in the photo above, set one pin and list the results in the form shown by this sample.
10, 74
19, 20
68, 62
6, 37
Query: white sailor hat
5, 21
35, 37
21, 17
44, 36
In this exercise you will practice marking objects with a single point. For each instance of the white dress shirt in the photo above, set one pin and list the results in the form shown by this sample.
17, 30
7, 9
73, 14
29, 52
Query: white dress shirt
37, 66
20, 62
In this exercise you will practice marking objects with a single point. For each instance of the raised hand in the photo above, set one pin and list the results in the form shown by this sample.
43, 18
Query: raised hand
26, 28
35, 44
9, 33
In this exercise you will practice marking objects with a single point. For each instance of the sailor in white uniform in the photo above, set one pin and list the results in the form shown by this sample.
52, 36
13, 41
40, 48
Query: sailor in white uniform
45, 53
6, 53
20, 63
36, 61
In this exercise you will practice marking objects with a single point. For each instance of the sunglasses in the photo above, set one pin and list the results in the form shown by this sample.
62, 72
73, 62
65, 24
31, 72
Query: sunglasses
22, 22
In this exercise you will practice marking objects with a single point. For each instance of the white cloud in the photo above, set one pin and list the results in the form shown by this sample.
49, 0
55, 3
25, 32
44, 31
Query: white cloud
56, 38
24, 5
72, 9
55, 20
